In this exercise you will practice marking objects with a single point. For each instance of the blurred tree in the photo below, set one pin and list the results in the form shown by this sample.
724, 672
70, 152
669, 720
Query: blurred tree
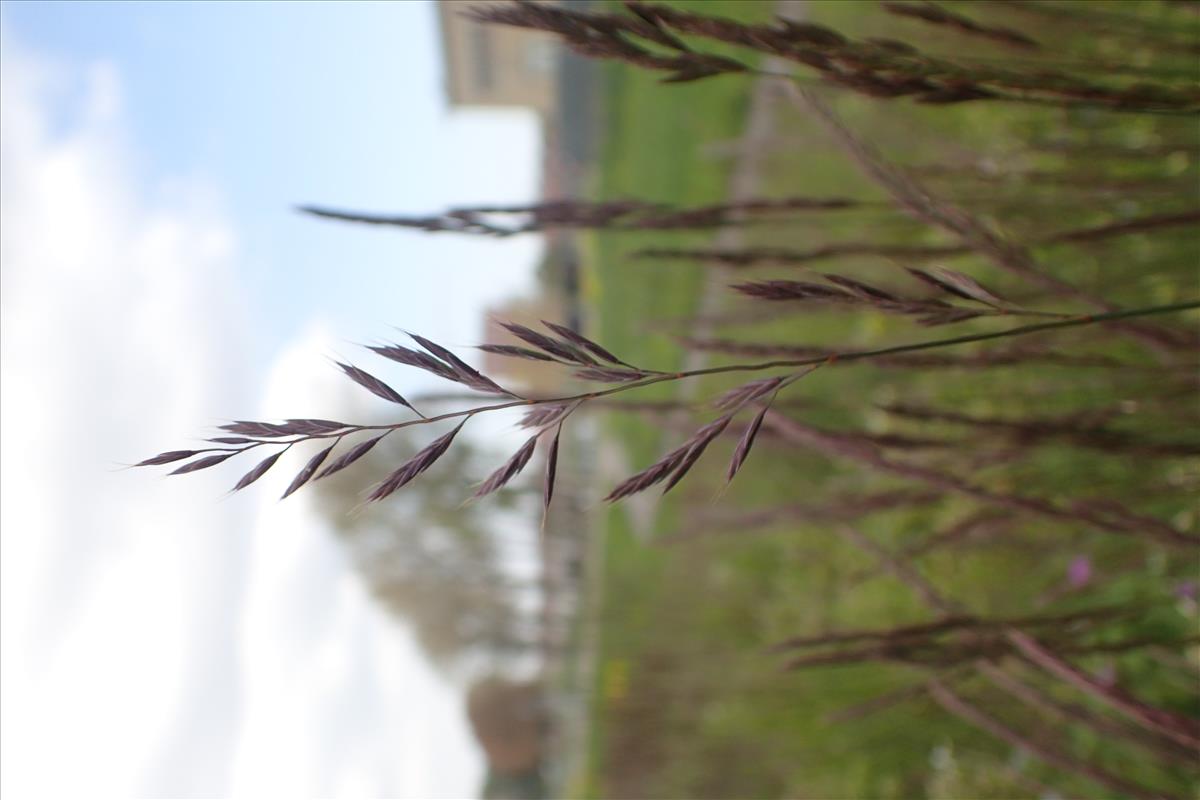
431, 559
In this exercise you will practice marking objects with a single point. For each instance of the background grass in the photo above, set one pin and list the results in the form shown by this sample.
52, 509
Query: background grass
688, 701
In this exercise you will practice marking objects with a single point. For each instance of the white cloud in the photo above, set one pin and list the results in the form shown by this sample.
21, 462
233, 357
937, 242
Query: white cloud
158, 639
338, 700
119, 332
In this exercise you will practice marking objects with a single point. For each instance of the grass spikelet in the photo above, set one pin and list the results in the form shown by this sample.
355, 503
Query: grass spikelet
168, 457
551, 471
307, 471
262, 430
415, 358
610, 375
509, 470
655, 473
350, 456
550, 345
695, 448
744, 444
746, 393
202, 463
374, 385
463, 372
586, 343
314, 427
543, 415
415, 465
967, 287
516, 352
259, 470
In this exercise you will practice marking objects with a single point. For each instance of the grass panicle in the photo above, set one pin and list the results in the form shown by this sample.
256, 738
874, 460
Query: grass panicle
571, 351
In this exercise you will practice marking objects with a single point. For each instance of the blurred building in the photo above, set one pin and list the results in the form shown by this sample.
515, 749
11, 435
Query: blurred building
510, 723
496, 66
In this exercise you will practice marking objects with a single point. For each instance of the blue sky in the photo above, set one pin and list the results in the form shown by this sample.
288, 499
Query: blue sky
334, 104
159, 640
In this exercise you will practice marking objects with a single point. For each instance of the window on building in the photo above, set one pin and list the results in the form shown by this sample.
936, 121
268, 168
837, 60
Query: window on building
541, 56
483, 58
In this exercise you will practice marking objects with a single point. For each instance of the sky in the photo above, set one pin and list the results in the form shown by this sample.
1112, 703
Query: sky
160, 637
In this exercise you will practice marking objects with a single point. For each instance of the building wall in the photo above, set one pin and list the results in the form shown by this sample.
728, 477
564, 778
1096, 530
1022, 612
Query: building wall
496, 65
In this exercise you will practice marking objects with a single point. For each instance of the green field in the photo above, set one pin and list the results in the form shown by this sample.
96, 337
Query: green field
689, 701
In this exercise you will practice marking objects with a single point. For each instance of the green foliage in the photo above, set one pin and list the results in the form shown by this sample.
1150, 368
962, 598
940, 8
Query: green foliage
428, 558
703, 709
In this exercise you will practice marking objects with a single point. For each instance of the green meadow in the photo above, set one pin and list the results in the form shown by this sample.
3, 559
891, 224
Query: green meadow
695, 588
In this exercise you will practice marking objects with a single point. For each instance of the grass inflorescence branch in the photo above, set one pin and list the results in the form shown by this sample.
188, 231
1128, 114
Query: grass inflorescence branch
590, 361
